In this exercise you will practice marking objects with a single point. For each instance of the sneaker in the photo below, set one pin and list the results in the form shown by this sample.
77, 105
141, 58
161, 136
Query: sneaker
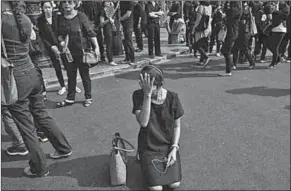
12, 151
218, 54
288, 60
252, 66
112, 64
88, 102
233, 68
58, 155
272, 66
263, 61
125, 61
27, 172
78, 90
225, 74
159, 55
41, 137
62, 91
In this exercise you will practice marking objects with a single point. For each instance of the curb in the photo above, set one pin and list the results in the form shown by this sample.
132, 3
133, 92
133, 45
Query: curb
121, 68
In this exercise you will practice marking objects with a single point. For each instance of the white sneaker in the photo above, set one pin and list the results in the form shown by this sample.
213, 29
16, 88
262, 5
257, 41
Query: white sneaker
28, 172
225, 74
62, 91
113, 64
217, 54
234, 68
78, 90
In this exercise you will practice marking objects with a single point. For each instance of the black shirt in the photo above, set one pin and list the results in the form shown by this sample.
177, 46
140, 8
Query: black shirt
124, 7
151, 8
137, 12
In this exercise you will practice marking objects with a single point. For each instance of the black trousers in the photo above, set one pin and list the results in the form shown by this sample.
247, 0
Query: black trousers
138, 36
30, 102
40, 74
214, 37
58, 69
108, 37
100, 43
127, 42
274, 42
226, 50
72, 77
154, 38
202, 46
243, 48
260, 45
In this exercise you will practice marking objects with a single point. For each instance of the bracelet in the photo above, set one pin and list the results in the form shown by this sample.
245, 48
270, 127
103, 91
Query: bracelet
177, 146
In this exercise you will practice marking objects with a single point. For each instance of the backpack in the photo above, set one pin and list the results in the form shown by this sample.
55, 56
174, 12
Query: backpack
203, 24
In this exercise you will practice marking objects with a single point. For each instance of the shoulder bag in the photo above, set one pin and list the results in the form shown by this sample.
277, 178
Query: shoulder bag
118, 160
89, 56
9, 93
203, 24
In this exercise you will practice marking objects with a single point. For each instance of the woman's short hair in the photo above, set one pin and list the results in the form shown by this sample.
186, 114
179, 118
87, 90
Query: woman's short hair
155, 72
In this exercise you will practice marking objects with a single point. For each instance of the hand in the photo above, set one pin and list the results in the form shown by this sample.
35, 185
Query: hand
146, 84
111, 20
172, 157
97, 53
138, 26
55, 49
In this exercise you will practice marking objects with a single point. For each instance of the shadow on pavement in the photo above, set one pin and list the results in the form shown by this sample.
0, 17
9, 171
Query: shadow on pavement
88, 171
261, 91
287, 107
7, 158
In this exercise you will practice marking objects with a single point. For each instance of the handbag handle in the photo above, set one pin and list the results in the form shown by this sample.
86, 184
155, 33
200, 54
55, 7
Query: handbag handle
118, 138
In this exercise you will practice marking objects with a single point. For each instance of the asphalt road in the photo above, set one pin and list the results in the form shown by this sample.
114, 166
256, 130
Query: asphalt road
235, 131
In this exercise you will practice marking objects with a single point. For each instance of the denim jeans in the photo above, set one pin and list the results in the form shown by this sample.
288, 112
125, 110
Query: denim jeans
127, 42
11, 128
30, 102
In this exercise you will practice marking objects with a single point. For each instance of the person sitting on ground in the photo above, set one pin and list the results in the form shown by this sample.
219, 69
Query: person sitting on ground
158, 112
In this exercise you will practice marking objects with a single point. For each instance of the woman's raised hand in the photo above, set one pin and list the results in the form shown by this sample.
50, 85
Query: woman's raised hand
146, 84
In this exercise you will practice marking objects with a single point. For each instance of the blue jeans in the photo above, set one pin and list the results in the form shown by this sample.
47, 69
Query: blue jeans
30, 102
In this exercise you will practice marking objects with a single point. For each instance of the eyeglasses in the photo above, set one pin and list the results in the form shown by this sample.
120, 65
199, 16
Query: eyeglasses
69, 2
161, 165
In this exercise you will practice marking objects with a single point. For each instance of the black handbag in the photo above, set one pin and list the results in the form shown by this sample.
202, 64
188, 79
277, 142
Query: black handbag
203, 24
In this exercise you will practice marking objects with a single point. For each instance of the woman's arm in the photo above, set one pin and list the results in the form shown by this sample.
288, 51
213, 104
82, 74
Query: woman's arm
143, 115
177, 132
103, 21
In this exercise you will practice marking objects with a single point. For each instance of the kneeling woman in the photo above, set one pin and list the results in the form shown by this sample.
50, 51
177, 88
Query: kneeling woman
158, 111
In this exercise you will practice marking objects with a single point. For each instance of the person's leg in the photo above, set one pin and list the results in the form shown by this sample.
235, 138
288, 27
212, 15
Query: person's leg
283, 45
289, 47
72, 79
157, 40
128, 41
58, 69
212, 39
108, 41
86, 80
138, 37
151, 39
274, 43
100, 44
18, 146
20, 111
125, 43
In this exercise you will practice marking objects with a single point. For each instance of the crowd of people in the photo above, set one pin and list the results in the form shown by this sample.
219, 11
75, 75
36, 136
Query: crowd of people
67, 28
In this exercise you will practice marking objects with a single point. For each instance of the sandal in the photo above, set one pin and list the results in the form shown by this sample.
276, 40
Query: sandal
65, 103
88, 102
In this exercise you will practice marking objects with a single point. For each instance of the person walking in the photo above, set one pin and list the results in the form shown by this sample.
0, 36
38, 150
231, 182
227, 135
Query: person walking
233, 11
73, 29
16, 31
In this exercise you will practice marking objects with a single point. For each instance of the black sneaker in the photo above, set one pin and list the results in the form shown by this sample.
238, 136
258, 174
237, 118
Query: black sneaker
13, 151
41, 137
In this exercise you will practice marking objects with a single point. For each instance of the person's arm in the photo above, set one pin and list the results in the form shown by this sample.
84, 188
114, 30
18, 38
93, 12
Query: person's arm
125, 16
143, 115
177, 133
103, 22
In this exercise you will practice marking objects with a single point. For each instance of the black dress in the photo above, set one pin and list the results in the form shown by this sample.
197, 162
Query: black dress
155, 140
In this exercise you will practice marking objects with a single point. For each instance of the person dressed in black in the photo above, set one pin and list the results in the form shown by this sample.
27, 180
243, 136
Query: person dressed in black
107, 22
153, 11
187, 8
126, 8
76, 34
92, 10
158, 112
47, 24
138, 17
242, 43
16, 32
233, 11
174, 13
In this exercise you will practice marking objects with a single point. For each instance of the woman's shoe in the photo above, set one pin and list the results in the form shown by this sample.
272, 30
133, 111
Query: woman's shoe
44, 96
65, 103
88, 102
78, 90
62, 91
252, 66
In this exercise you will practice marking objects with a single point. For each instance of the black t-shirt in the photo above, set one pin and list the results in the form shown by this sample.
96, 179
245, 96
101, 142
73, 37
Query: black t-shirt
124, 7
151, 8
